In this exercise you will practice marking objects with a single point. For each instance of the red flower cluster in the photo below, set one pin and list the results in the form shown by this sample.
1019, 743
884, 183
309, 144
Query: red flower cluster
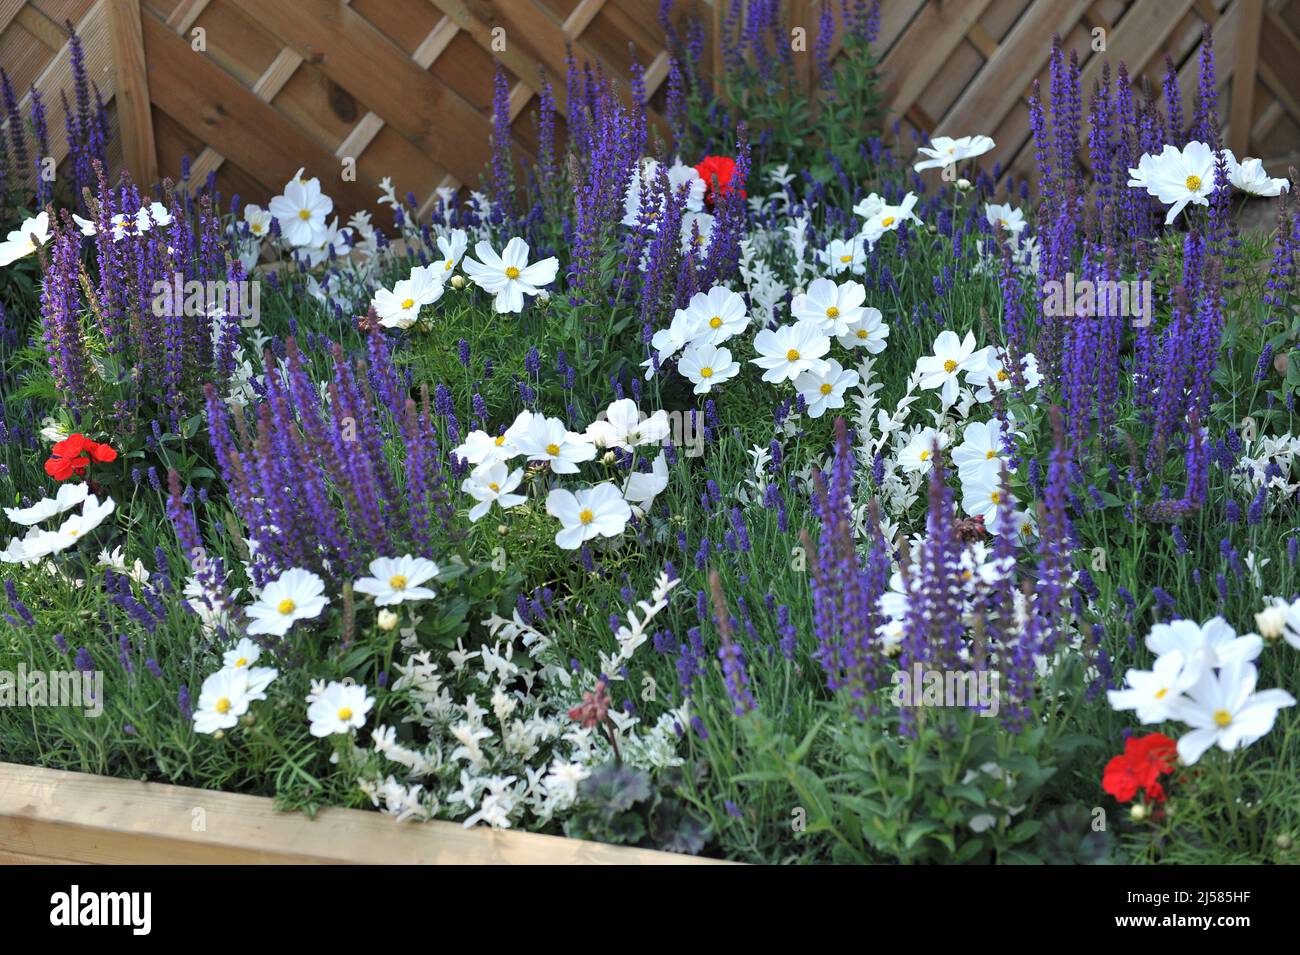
73, 455
1145, 760
594, 708
722, 169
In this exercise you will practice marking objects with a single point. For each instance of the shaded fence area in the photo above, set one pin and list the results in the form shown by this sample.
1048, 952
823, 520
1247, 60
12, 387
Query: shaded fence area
251, 90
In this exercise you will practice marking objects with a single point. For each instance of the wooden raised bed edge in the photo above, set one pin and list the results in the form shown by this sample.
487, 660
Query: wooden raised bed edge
52, 816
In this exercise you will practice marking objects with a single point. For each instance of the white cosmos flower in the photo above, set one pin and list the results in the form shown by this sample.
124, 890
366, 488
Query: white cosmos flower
223, 699
452, 246
831, 309
994, 370
707, 366
685, 328
621, 425
952, 356
979, 454
643, 178
1215, 640
258, 219
67, 497
697, 227
1177, 177
1152, 692
1004, 215
301, 212
482, 449
1250, 177
944, 151
715, 316
869, 206
600, 510
244, 654
86, 226
1224, 709
154, 214
508, 276
400, 307
547, 439
297, 595
340, 708
822, 390
494, 482
330, 239
982, 497
396, 580
789, 351
77, 526
23, 241
919, 453
641, 487
889, 218
844, 256
869, 332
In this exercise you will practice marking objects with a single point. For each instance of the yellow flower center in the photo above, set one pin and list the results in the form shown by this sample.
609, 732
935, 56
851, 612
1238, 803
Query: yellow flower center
397, 581
512, 272
496, 488
304, 214
447, 266
887, 221
345, 713
826, 388
241, 662
950, 366
990, 454
1222, 718
256, 229
832, 312
792, 355
222, 705
996, 497
1003, 376
73, 532
499, 440
925, 455
287, 606
586, 516
553, 449
1193, 183
715, 321
407, 303
846, 258
1163, 692
863, 334
706, 372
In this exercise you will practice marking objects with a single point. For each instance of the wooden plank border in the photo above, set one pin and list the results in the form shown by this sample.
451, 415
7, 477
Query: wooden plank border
53, 816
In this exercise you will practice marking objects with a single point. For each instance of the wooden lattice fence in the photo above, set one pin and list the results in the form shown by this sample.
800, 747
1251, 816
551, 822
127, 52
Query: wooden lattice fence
253, 89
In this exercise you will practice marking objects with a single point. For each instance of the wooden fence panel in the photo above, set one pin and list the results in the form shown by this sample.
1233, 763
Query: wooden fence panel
253, 90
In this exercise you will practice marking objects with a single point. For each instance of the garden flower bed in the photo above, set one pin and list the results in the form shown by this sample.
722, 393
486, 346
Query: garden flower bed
799, 489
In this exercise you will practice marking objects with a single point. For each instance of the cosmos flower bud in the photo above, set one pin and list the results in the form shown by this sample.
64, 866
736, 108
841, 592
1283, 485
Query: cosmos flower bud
458, 282
1270, 622
387, 620
1138, 812
963, 184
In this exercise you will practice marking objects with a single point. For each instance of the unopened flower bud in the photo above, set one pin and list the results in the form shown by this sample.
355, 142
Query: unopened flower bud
1138, 812
963, 184
387, 619
1270, 622
1283, 840
458, 282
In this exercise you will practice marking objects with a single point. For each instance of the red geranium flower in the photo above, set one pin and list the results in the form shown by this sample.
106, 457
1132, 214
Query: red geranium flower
1144, 761
74, 454
717, 173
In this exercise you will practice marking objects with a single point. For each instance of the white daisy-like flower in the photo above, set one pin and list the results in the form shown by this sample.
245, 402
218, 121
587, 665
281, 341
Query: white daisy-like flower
831, 309
22, 242
597, 511
1223, 709
995, 371
1152, 692
869, 332
67, 497
622, 425
642, 487
790, 350
340, 708
493, 484
1004, 216
707, 366
952, 357
508, 276
1250, 177
919, 453
823, 390
297, 595
301, 212
400, 307
843, 255
982, 497
889, 218
547, 439
484, 450
1215, 640
258, 220
452, 246
685, 328
945, 151
223, 699
1177, 177
244, 654
979, 454
697, 232
715, 316
397, 580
